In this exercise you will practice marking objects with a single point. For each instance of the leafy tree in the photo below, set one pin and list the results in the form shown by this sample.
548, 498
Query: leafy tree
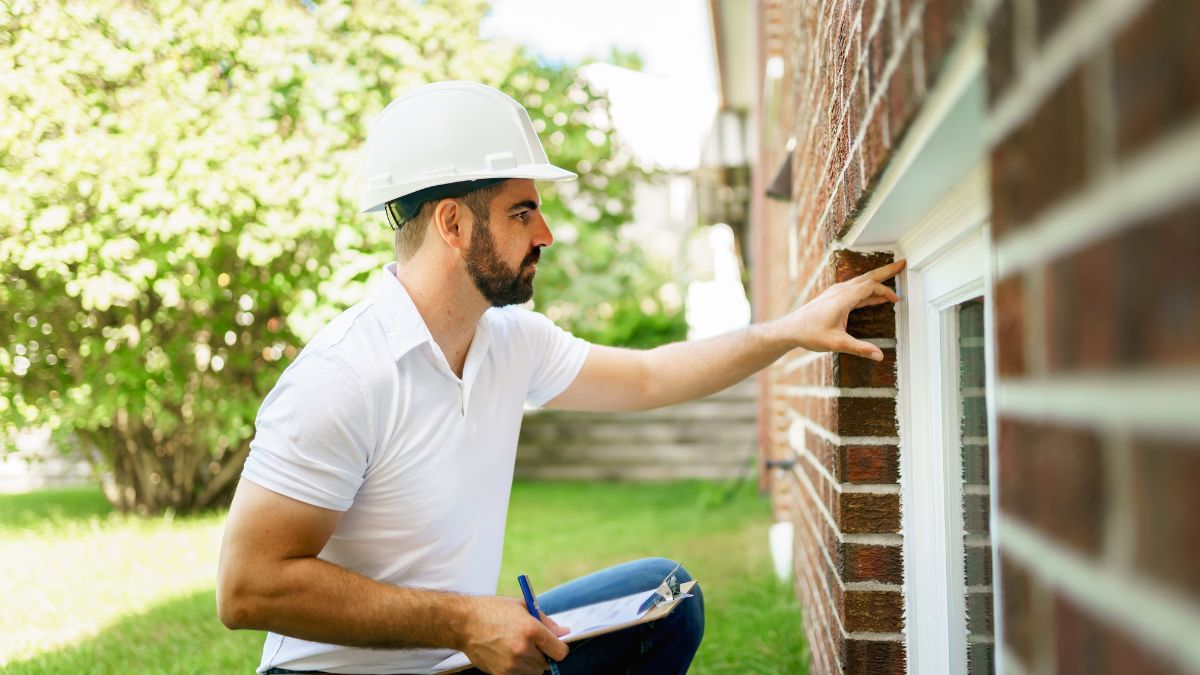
179, 211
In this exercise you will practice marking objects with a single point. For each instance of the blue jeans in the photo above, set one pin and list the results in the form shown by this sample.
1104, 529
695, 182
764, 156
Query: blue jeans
663, 647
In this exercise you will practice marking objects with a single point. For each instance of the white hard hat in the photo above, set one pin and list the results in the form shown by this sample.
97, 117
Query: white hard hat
449, 132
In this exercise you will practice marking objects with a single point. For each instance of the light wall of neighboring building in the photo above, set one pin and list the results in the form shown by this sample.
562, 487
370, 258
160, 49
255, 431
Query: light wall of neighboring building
1093, 125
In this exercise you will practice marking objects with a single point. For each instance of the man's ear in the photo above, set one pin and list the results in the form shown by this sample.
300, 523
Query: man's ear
449, 222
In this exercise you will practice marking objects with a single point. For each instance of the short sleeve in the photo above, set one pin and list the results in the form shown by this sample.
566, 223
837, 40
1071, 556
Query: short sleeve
557, 357
313, 438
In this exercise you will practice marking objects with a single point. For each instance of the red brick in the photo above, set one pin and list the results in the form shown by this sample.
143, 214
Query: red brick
861, 562
866, 416
1085, 645
1166, 509
880, 50
850, 264
902, 99
1129, 301
1026, 619
1052, 477
1044, 160
855, 371
873, 611
936, 24
1001, 56
1156, 63
861, 513
1010, 326
878, 464
874, 657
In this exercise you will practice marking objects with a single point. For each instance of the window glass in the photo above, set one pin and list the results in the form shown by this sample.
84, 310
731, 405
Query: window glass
973, 446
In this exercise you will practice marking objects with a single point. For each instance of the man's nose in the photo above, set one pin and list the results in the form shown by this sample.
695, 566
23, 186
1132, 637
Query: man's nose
543, 237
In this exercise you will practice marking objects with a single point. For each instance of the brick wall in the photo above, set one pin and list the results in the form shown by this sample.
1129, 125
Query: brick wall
854, 77
1094, 116
1094, 128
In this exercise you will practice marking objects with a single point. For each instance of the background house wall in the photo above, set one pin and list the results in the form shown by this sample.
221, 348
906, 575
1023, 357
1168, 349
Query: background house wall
1093, 128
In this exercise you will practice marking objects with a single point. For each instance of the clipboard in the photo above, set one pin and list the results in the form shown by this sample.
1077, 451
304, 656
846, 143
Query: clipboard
645, 607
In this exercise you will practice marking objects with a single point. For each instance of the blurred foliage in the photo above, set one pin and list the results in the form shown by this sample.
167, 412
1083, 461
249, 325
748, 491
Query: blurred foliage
179, 213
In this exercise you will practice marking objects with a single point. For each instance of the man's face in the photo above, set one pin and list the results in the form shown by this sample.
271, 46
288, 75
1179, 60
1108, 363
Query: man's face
503, 253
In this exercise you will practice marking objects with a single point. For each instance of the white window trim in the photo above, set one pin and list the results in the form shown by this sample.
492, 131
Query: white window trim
946, 255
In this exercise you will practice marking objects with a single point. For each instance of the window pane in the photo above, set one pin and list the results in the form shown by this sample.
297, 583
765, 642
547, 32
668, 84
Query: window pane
973, 441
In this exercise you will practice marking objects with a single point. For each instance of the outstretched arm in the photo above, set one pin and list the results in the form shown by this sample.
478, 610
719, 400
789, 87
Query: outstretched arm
627, 379
269, 578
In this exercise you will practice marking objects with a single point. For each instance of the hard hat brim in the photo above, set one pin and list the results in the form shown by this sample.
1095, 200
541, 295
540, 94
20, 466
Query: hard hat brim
374, 200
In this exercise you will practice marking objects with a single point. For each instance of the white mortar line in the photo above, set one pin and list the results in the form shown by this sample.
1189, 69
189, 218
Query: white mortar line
1155, 615
1157, 401
872, 539
812, 280
1162, 177
1084, 32
845, 440
871, 586
869, 488
874, 637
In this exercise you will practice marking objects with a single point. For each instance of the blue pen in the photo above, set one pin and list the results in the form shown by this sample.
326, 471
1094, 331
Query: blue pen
532, 606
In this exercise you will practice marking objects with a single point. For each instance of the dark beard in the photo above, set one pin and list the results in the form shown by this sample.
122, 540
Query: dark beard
499, 285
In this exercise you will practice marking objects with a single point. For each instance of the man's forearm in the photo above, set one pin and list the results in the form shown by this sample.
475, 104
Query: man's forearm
315, 600
682, 371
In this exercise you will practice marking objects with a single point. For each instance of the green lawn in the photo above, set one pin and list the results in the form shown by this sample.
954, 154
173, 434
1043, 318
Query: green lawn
90, 591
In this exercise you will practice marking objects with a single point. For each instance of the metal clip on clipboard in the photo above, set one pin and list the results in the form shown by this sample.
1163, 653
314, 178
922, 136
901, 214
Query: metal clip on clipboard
666, 592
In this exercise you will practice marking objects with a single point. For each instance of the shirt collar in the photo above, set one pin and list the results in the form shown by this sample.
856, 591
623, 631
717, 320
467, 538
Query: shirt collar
403, 326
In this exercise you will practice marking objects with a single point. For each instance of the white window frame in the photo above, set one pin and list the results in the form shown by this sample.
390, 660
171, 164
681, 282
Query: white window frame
948, 254
931, 207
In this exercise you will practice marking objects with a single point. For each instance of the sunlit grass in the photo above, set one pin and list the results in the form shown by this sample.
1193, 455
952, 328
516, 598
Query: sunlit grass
95, 592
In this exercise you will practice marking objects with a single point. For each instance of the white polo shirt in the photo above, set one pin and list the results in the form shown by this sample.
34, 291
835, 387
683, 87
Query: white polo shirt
370, 420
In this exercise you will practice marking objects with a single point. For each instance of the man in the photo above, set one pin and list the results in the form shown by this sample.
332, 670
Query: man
367, 532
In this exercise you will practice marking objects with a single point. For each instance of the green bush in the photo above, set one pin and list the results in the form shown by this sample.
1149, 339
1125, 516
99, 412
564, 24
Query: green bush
180, 211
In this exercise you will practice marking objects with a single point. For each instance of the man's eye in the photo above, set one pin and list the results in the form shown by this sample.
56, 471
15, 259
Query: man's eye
522, 216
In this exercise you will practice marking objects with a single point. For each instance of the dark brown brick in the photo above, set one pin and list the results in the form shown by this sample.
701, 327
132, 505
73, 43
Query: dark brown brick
877, 464
1129, 301
866, 416
1157, 73
1050, 16
1167, 510
1044, 160
880, 50
936, 23
1010, 326
877, 321
1026, 621
1085, 645
873, 611
902, 98
1001, 51
1052, 477
855, 371
861, 562
850, 264
860, 513
874, 657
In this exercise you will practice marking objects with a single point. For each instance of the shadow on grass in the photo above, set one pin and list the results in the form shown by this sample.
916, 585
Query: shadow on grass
52, 506
179, 636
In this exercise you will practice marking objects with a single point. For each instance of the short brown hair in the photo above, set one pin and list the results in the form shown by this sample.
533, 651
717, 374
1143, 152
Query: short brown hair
411, 233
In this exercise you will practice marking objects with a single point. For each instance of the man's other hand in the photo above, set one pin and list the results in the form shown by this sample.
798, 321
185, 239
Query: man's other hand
820, 325
503, 639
